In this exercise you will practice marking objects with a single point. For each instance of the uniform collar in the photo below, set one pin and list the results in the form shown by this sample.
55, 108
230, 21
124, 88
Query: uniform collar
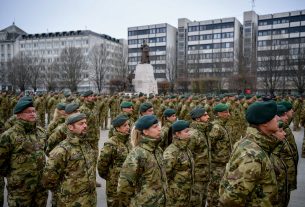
181, 143
267, 143
26, 126
120, 136
149, 144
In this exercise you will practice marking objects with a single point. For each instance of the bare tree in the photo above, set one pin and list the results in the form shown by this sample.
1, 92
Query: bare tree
99, 61
18, 71
121, 72
171, 69
297, 69
72, 65
51, 75
35, 72
270, 69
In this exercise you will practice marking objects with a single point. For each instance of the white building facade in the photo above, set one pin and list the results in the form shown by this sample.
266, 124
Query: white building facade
47, 47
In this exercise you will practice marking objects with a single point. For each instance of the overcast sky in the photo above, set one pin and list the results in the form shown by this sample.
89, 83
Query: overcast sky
113, 17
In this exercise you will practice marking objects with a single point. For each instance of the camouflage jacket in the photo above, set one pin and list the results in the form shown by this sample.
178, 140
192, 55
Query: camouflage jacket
249, 179
70, 172
22, 156
199, 147
59, 134
285, 152
280, 169
165, 142
220, 143
93, 132
142, 180
111, 159
291, 140
53, 125
179, 167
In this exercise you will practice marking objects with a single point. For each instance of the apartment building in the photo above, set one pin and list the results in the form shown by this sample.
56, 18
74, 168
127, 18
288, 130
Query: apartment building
161, 38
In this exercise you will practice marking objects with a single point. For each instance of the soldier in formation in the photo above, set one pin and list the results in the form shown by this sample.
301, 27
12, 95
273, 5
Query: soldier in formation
214, 134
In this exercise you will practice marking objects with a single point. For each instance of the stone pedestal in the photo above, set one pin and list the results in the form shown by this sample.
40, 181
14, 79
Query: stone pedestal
144, 80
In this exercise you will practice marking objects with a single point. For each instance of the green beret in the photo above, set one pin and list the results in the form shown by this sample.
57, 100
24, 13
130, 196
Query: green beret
145, 106
141, 94
87, 93
75, 118
180, 125
281, 110
241, 97
22, 104
119, 120
126, 104
67, 93
61, 106
248, 97
173, 96
168, 112
197, 112
287, 104
221, 107
145, 122
261, 112
280, 124
71, 107
258, 96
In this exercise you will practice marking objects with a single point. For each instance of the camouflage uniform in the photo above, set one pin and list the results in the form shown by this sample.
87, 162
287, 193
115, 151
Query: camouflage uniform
235, 124
302, 120
297, 108
142, 180
51, 105
293, 155
179, 167
220, 145
40, 108
2, 183
70, 172
53, 125
199, 146
282, 161
59, 134
111, 159
22, 159
93, 130
10, 122
165, 142
249, 178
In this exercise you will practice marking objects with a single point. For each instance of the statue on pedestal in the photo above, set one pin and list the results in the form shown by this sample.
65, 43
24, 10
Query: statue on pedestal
145, 53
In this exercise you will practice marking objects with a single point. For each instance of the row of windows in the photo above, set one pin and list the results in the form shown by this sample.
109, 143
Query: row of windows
152, 58
211, 46
211, 36
54, 44
8, 46
281, 42
147, 31
282, 20
212, 65
151, 49
211, 26
210, 56
281, 31
149, 40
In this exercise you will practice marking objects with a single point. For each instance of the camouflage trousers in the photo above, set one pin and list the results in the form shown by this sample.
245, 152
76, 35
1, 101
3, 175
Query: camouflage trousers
199, 194
21, 198
2, 186
83, 200
213, 187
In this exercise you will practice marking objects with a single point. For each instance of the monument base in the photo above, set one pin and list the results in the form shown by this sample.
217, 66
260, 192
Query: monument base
144, 80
